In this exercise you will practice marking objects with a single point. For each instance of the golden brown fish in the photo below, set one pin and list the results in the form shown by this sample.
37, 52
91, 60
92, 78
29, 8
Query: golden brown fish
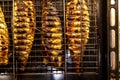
4, 40
77, 27
23, 30
51, 34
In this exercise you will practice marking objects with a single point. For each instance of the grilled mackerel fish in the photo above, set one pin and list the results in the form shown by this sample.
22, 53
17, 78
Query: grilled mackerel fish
77, 27
24, 29
4, 40
51, 34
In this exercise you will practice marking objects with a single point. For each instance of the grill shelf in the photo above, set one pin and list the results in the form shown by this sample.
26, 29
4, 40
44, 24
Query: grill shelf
35, 69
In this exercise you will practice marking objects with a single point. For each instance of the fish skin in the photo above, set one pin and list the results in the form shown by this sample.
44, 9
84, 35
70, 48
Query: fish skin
4, 40
77, 27
51, 34
23, 30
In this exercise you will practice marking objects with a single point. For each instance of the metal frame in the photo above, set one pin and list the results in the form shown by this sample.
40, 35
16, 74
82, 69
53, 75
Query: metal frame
113, 74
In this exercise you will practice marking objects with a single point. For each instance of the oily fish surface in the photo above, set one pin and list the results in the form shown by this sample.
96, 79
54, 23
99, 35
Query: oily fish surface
77, 27
24, 30
4, 40
51, 34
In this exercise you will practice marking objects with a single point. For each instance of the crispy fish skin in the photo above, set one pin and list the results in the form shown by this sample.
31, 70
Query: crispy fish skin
24, 30
4, 40
51, 34
77, 27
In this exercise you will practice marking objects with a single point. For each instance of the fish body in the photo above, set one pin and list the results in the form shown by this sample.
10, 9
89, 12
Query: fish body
77, 30
23, 31
51, 34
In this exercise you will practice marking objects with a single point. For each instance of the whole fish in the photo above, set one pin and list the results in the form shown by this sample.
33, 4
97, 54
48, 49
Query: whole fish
77, 27
24, 21
51, 34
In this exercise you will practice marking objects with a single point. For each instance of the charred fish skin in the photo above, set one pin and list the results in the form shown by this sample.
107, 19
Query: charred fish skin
23, 30
77, 27
51, 34
4, 40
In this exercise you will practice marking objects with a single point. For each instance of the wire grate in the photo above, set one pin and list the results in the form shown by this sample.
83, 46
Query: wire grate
90, 64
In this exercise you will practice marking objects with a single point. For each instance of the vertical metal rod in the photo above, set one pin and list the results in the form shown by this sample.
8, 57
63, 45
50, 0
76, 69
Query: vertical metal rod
117, 41
108, 34
64, 27
97, 6
117, 36
14, 62
119, 31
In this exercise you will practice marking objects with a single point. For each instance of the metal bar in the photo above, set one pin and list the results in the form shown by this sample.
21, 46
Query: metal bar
14, 61
65, 48
57, 73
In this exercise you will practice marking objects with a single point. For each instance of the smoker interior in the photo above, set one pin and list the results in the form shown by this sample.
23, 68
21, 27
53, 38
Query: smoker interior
90, 65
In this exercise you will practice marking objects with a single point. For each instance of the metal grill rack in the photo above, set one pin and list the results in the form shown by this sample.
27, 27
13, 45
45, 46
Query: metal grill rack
90, 65
35, 69
8, 70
